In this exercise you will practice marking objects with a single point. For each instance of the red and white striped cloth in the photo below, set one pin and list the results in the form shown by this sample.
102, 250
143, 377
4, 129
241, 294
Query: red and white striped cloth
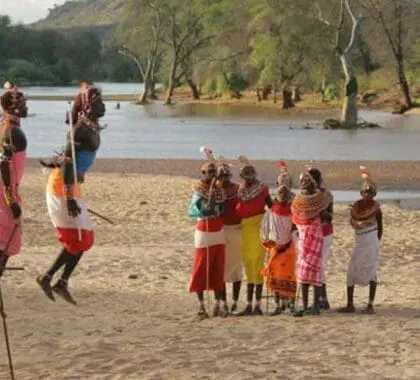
209, 241
311, 242
67, 226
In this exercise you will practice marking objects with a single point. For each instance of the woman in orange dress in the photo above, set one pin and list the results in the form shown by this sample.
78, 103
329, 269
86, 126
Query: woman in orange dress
276, 233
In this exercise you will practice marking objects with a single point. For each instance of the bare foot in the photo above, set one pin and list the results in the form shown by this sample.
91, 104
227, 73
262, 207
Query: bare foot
348, 309
369, 310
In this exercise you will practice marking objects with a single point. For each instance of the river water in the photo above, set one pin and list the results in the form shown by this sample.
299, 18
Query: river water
157, 131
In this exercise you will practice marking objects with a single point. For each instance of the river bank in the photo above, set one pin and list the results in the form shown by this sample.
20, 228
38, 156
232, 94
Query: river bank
311, 101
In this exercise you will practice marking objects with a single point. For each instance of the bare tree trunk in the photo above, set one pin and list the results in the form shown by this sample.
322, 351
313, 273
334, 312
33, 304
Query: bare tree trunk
274, 94
323, 87
152, 91
145, 94
172, 84
349, 112
287, 99
152, 79
194, 89
296, 94
266, 91
404, 84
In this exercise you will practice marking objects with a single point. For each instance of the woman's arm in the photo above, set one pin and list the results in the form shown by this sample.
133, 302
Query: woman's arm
380, 223
5, 159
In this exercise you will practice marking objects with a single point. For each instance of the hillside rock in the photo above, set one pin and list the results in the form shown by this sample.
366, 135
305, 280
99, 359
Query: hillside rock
85, 13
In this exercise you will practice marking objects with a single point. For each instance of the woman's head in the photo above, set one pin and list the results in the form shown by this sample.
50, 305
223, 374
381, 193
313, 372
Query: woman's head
248, 172
284, 183
307, 184
208, 172
316, 175
93, 106
368, 189
13, 102
224, 172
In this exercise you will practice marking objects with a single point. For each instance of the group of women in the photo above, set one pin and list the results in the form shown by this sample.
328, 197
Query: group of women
238, 225
65, 202
283, 241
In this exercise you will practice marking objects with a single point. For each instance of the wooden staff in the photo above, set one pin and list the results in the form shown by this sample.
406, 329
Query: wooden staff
2, 312
73, 154
100, 216
213, 181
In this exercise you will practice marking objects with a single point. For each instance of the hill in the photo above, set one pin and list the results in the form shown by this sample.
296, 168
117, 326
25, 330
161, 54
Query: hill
83, 13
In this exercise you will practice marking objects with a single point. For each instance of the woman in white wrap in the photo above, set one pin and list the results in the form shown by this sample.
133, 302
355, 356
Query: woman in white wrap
366, 219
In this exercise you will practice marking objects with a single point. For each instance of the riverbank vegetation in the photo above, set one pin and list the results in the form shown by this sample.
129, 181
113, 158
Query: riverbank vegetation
345, 50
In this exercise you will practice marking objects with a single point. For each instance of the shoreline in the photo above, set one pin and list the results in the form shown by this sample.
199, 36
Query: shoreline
310, 102
338, 175
69, 98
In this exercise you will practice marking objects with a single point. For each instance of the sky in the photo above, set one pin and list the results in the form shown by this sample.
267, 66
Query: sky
27, 11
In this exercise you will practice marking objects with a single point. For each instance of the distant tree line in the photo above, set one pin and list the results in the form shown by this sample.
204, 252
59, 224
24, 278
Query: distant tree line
57, 57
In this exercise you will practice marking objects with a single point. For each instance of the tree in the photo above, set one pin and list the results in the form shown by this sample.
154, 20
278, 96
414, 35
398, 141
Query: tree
141, 45
184, 36
395, 19
349, 116
283, 45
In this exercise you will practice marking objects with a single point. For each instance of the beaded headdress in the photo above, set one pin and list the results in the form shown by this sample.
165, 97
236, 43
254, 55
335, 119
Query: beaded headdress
315, 173
208, 154
284, 179
224, 169
247, 171
368, 184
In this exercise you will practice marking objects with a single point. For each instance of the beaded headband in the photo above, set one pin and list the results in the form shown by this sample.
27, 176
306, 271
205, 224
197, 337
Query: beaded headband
368, 184
208, 153
284, 178
247, 170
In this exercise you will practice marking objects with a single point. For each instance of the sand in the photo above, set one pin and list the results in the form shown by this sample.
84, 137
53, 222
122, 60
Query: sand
146, 328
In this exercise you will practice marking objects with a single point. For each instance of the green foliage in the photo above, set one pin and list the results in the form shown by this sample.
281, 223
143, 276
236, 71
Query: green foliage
52, 57
332, 92
222, 86
237, 82
209, 87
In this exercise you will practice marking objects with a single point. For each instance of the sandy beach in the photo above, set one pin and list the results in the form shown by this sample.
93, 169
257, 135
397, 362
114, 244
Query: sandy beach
146, 327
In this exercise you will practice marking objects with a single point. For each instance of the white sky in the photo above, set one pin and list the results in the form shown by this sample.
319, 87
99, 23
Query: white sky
27, 11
